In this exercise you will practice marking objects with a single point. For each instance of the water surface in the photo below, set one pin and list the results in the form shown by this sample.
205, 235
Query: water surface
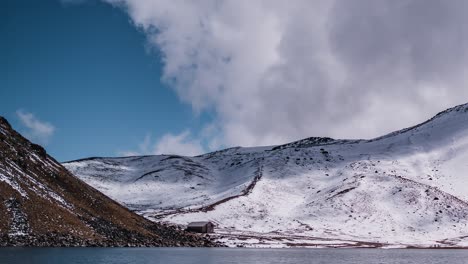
227, 255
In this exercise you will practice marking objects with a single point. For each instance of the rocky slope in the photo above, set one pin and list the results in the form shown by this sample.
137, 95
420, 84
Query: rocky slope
408, 188
42, 204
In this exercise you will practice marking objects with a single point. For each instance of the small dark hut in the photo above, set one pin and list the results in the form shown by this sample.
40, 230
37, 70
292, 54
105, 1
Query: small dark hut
200, 227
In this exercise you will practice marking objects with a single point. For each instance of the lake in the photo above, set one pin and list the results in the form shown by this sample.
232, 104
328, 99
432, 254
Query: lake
230, 255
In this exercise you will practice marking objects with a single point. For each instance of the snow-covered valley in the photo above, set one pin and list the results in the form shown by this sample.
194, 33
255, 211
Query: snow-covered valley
408, 188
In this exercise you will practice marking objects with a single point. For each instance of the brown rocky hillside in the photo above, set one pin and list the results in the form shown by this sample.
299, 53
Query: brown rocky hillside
42, 204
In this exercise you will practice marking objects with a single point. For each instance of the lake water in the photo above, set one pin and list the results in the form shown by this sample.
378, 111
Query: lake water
226, 255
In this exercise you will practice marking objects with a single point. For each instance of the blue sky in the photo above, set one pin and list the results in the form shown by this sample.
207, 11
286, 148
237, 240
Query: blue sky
85, 70
128, 77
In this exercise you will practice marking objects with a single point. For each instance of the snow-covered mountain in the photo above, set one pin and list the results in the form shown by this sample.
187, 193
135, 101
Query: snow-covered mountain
407, 188
42, 204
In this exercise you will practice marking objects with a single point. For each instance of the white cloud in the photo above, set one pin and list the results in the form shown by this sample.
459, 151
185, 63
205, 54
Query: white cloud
180, 144
275, 71
36, 130
130, 153
175, 144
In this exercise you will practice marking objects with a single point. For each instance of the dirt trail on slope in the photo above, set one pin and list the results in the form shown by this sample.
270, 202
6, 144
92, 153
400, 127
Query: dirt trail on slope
245, 192
211, 207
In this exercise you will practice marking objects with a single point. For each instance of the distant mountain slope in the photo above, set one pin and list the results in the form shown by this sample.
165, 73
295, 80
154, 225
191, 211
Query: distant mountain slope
407, 188
42, 204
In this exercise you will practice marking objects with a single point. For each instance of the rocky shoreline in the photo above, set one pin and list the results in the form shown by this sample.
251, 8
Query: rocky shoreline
178, 239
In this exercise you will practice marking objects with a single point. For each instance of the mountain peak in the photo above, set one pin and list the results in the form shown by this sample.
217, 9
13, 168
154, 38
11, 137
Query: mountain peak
4, 122
463, 108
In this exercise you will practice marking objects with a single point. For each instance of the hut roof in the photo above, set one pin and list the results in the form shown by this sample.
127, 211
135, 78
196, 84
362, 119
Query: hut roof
198, 224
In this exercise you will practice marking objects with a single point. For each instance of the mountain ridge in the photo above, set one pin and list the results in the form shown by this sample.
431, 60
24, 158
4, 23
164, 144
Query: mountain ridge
404, 189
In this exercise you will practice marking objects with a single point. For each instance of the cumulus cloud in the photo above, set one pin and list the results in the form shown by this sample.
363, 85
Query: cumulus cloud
175, 144
275, 71
36, 130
